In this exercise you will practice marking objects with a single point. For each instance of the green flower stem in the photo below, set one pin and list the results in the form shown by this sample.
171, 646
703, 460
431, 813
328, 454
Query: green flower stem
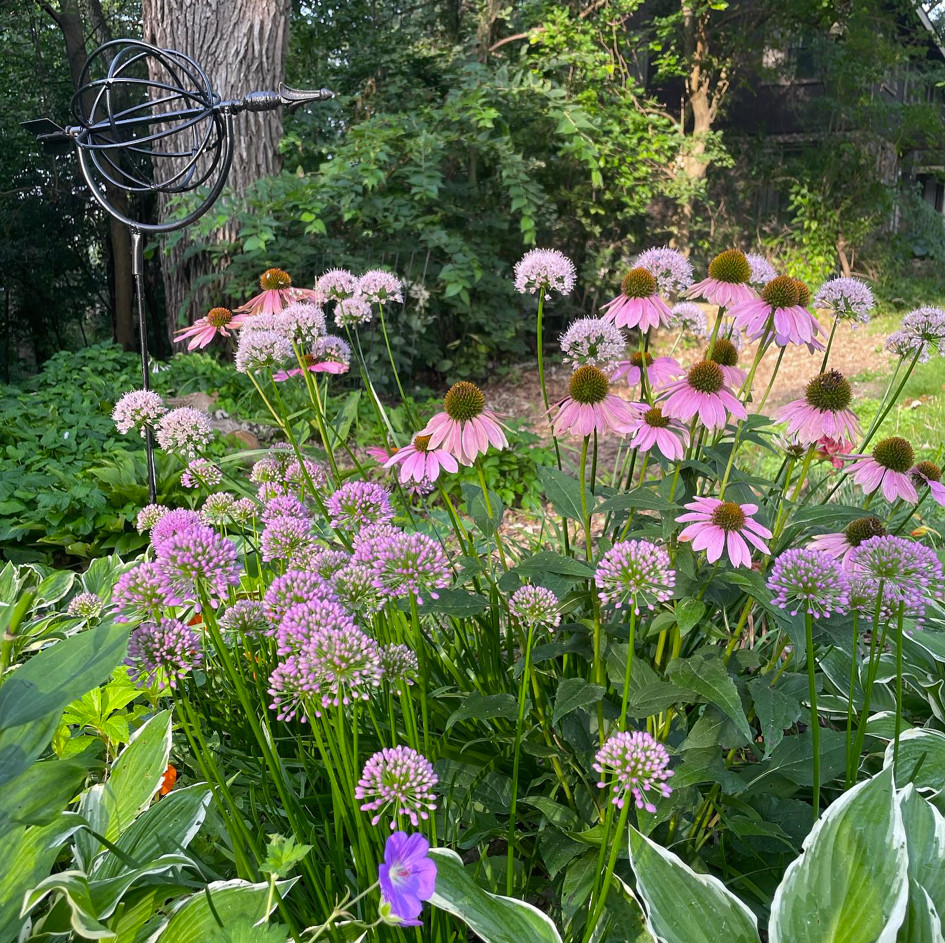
585, 517
520, 722
393, 366
915, 512
737, 634
774, 373
626, 677
715, 333
421, 648
814, 717
608, 874
833, 331
485, 497
311, 387
379, 410
848, 778
899, 617
876, 647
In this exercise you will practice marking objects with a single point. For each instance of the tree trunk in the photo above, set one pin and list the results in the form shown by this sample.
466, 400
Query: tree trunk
241, 45
69, 20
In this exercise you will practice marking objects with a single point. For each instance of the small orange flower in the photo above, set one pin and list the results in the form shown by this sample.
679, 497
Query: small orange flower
168, 780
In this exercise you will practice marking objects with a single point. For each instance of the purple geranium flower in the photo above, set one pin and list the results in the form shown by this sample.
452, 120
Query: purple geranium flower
407, 878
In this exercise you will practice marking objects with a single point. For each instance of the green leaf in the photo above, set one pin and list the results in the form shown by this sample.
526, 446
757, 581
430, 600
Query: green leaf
705, 673
925, 841
487, 518
547, 561
452, 602
54, 678
922, 923
688, 613
564, 492
793, 758
685, 907
22, 745
777, 708
246, 930
40, 793
194, 920
492, 918
656, 697
851, 881
574, 693
484, 707
921, 759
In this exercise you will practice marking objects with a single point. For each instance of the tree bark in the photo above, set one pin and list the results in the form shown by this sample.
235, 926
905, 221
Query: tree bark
242, 46
70, 22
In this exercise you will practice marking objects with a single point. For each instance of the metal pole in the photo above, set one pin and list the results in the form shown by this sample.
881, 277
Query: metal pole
137, 270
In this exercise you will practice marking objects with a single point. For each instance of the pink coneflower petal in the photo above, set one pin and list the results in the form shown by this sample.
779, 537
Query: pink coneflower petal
716, 526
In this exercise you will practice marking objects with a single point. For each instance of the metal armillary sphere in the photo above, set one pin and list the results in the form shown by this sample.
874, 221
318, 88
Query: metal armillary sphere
149, 122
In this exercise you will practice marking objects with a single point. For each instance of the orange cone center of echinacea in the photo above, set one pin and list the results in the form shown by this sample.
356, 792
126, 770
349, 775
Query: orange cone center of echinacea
274, 279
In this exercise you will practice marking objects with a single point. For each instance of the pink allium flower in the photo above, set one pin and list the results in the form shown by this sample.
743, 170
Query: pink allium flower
926, 324
822, 412
905, 345
410, 564
149, 515
380, 287
185, 431
418, 461
930, 475
244, 510
220, 321
284, 538
465, 428
84, 606
350, 312
848, 298
544, 268
702, 393
762, 271
660, 371
889, 467
358, 503
671, 269
138, 409
590, 406
807, 580
217, 510
201, 472
716, 526
638, 764
283, 505
262, 350
400, 665
198, 559
294, 587
140, 591
303, 323
725, 354
841, 546
171, 523
779, 311
834, 450
728, 281
303, 621
369, 540
337, 284
397, 781
649, 428
535, 606
635, 572
592, 341
688, 316
277, 292
246, 617
354, 586
167, 649
638, 304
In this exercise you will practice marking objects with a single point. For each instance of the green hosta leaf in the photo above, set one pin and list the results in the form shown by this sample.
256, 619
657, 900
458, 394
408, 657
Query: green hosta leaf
572, 694
685, 907
777, 708
850, 883
494, 919
40, 793
921, 759
705, 673
21, 745
564, 492
194, 920
246, 930
54, 678
925, 840
922, 923
484, 707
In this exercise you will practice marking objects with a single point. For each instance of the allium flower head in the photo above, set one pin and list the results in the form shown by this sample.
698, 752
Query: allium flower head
368, 541
929, 475
149, 515
728, 281
304, 323
246, 617
244, 510
137, 410
285, 538
841, 546
84, 606
198, 559
659, 371
400, 665
337, 284
268, 469
592, 341
906, 345
201, 473
301, 624
762, 271
357, 503
407, 878
638, 304
702, 393
332, 350
380, 287
590, 406
185, 431
926, 324
636, 572
166, 650
544, 268
324, 561
398, 782
671, 269
420, 463
716, 526
823, 412
262, 350
295, 587
465, 428
283, 505
649, 428
536, 606
848, 298
350, 312
217, 509
638, 765
410, 564
171, 523
141, 591
910, 572
302, 477
354, 585
688, 316
807, 580
889, 467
